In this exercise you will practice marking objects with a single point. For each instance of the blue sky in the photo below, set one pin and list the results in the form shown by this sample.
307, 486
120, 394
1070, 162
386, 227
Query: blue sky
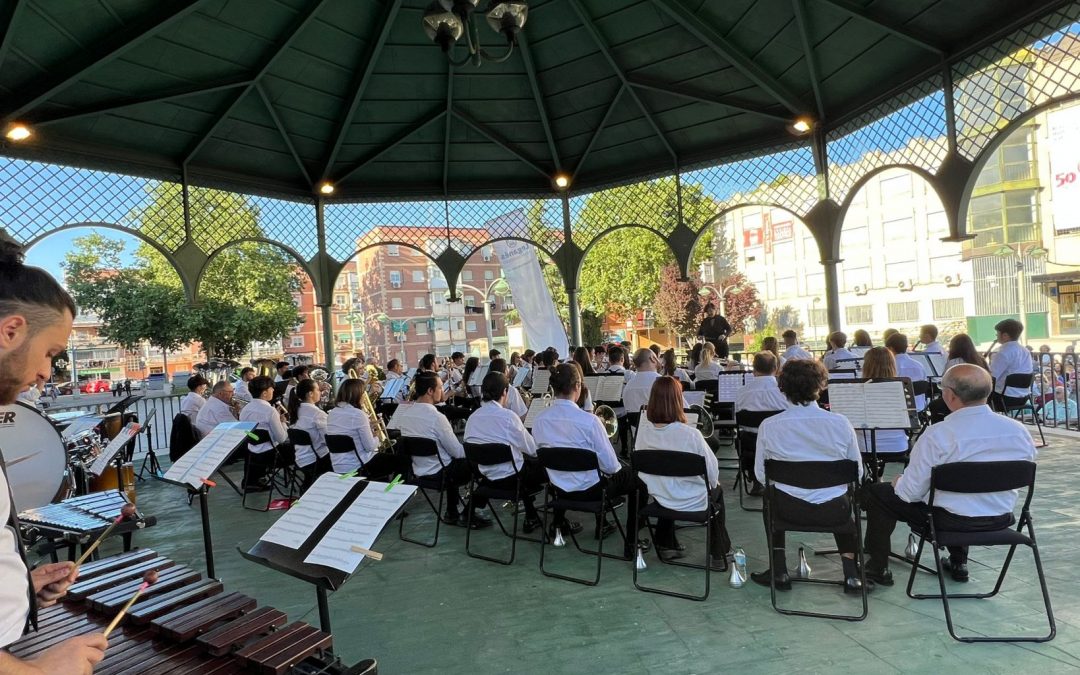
49, 252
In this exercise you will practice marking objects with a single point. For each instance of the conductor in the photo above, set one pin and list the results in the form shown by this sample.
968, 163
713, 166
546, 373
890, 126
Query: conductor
715, 329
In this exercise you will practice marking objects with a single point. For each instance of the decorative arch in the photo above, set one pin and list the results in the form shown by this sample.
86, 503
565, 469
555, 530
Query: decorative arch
259, 240
540, 247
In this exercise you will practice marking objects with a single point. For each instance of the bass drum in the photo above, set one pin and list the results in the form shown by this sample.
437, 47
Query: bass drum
34, 454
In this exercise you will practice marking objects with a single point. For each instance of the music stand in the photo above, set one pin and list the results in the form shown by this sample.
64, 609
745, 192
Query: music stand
391, 389
155, 466
111, 454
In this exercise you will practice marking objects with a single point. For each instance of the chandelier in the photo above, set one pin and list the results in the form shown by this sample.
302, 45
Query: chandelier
445, 21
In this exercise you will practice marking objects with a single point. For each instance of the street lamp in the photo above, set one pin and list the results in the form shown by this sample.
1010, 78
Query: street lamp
1019, 251
498, 287
711, 290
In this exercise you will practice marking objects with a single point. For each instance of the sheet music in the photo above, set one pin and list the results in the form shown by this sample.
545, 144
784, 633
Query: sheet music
932, 363
410, 374
694, 398
535, 407
592, 383
296, 525
871, 405
359, 526
728, 386
520, 375
841, 375
478, 375
847, 364
609, 388
691, 419
80, 425
209, 453
392, 388
102, 461
540, 381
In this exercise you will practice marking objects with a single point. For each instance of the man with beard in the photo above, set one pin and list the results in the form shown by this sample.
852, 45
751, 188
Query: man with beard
35, 320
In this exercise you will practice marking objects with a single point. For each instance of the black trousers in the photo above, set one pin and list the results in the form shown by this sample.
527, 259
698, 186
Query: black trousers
795, 511
385, 464
884, 509
533, 479
619, 484
312, 471
457, 474
720, 541
259, 464
721, 345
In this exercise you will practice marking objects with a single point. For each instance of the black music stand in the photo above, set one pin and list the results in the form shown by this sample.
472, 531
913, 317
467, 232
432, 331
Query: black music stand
290, 561
155, 469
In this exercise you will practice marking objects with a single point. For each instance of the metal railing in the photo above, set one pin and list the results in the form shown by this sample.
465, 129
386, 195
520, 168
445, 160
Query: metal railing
156, 437
1053, 370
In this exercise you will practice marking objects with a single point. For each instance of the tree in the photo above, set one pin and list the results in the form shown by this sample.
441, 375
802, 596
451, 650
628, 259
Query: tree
741, 301
677, 304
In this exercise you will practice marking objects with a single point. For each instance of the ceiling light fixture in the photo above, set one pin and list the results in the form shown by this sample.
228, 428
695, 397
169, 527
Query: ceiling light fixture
801, 126
18, 132
445, 21
562, 181
326, 187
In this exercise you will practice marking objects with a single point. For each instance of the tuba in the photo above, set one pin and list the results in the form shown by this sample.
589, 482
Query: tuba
264, 367
609, 420
322, 378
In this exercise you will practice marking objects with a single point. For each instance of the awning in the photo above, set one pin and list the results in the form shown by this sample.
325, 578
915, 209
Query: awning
1072, 276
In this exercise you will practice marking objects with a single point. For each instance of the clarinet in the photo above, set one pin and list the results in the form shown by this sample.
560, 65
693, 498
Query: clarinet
987, 354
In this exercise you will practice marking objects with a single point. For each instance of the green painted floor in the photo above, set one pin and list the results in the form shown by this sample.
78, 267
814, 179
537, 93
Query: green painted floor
436, 610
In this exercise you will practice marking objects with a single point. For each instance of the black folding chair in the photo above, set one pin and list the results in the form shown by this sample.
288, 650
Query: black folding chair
923, 388
979, 478
576, 460
748, 422
815, 476
302, 439
489, 454
723, 412
412, 446
1014, 406
674, 464
278, 476
341, 445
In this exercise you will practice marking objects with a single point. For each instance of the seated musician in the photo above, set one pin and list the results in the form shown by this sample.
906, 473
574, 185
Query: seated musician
1009, 359
707, 368
299, 374
306, 415
35, 322
282, 368
267, 418
465, 391
494, 422
513, 397
218, 408
670, 368
426, 363
349, 419
862, 342
565, 425
617, 362
394, 370
928, 337
905, 365
664, 427
636, 393
420, 419
806, 433
837, 352
759, 394
794, 351
195, 399
771, 344
451, 374
583, 358
972, 433
241, 390
879, 362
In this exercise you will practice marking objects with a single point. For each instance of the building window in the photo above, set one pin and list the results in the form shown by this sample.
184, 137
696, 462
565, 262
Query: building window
395, 279
859, 314
418, 276
903, 312
818, 317
1004, 218
340, 300
895, 187
395, 303
419, 302
344, 338
470, 326
341, 318
393, 249
488, 275
421, 327
937, 225
436, 299
297, 341
466, 275
508, 302
948, 308
854, 242
470, 300
1012, 161
857, 279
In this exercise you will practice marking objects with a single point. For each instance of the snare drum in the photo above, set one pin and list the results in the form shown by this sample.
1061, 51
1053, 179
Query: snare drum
34, 454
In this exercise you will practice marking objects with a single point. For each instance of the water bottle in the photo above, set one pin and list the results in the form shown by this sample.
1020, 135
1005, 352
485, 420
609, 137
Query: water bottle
738, 569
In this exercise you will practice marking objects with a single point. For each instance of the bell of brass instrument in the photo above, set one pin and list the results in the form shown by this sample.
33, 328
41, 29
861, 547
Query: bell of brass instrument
704, 420
526, 396
377, 426
322, 378
608, 418
264, 367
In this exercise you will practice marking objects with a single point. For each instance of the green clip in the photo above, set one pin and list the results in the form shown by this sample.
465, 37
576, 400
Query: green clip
351, 474
396, 481
252, 436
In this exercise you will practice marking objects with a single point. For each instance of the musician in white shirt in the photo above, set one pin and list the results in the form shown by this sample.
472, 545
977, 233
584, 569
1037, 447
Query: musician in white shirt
513, 401
282, 371
636, 393
708, 368
759, 394
421, 419
879, 363
217, 409
36, 314
972, 433
664, 427
806, 433
565, 425
267, 418
617, 362
838, 352
792, 349
494, 422
906, 366
313, 459
349, 419
241, 392
670, 367
1011, 358
195, 399
928, 337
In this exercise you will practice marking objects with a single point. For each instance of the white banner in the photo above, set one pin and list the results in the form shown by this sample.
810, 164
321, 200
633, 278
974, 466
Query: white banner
1065, 167
521, 268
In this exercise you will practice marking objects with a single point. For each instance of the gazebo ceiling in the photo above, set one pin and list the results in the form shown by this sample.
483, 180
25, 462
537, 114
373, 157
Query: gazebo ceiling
276, 95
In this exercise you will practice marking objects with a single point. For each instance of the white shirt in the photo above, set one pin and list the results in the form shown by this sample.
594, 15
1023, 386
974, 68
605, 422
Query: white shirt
345, 420
795, 352
933, 348
678, 493
910, 368
627, 375
635, 395
564, 425
707, 371
240, 391
312, 419
212, 414
265, 417
975, 434
1010, 358
830, 359
492, 423
761, 393
13, 597
423, 420
514, 402
191, 404
806, 433
682, 376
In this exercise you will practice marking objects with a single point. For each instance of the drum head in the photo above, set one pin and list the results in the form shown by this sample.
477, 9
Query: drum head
34, 454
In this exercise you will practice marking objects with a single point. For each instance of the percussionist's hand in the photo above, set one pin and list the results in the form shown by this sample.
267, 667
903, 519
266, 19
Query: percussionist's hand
51, 581
75, 656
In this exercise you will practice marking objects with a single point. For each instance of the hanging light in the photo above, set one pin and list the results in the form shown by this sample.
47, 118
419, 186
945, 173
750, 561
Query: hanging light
446, 21
326, 187
801, 126
562, 181
17, 131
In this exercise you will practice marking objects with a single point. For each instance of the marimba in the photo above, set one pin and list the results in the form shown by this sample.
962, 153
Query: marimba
184, 623
79, 520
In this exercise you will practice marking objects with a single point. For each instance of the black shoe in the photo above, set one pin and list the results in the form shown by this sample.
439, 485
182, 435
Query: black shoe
718, 564
605, 530
957, 570
880, 577
669, 553
530, 525
643, 545
451, 518
479, 522
853, 586
756, 490
783, 581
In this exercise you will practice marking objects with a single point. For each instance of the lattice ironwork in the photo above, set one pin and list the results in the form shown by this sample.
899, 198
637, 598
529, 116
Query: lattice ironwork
653, 203
910, 129
351, 227
1037, 64
40, 198
289, 223
784, 177
474, 222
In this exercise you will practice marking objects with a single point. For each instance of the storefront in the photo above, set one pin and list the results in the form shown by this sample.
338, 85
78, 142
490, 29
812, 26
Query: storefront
1063, 289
